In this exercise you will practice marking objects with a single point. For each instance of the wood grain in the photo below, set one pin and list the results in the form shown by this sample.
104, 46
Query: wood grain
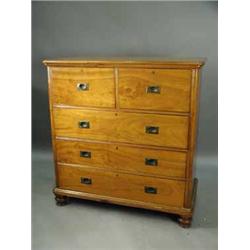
123, 202
169, 192
121, 144
174, 89
127, 63
192, 136
123, 158
52, 125
123, 127
101, 92
140, 111
118, 109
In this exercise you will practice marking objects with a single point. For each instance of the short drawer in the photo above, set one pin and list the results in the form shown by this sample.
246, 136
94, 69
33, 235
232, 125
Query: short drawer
128, 186
83, 86
155, 89
147, 129
119, 157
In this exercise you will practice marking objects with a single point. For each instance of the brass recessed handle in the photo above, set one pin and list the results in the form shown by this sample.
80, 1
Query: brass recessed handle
85, 154
82, 86
150, 190
151, 162
153, 90
83, 124
152, 130
86, 181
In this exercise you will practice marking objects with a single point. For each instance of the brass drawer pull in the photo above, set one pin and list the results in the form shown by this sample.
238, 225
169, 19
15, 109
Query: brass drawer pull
82, 86
150, 190
152, 130
86, 181
84, 124
153, 90
151, 162
85, 154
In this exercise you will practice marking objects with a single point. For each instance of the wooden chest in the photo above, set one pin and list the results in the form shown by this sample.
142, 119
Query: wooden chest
124, 132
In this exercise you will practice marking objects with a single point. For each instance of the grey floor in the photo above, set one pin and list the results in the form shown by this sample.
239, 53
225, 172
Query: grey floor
90, 225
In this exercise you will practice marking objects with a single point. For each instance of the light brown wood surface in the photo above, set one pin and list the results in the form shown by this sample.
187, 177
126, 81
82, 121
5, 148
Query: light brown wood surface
174, 88
52, 127
123, 158
101, 83
123, 127
169, 192
182, 211
166, 63
118, 108
192, 137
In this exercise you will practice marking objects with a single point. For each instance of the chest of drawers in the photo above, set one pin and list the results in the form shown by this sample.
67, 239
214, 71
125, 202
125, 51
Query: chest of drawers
124, 132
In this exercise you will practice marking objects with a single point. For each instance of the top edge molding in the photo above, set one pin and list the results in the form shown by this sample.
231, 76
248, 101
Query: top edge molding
114, 62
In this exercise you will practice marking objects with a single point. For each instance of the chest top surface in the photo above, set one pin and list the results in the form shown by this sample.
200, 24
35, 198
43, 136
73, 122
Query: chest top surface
127, 62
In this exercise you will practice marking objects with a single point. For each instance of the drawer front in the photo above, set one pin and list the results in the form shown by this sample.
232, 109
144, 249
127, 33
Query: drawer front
147, 189
124, 158
159, 130
83, 86
155, 89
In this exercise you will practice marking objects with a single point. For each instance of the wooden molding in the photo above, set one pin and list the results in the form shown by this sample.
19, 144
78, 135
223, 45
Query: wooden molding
127, 63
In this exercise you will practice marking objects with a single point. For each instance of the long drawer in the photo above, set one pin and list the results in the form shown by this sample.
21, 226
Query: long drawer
119, 157
147, 189
155, 89
83, 86
147, 129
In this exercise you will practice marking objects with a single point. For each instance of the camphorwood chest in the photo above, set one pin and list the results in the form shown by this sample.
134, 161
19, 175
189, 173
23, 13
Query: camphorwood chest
124, 132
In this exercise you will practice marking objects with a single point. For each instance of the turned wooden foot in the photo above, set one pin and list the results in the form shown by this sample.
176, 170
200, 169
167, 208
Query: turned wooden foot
61, 200
185, 221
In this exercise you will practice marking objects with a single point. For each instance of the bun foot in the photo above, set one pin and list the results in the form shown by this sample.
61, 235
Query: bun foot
185, 221
61, 200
